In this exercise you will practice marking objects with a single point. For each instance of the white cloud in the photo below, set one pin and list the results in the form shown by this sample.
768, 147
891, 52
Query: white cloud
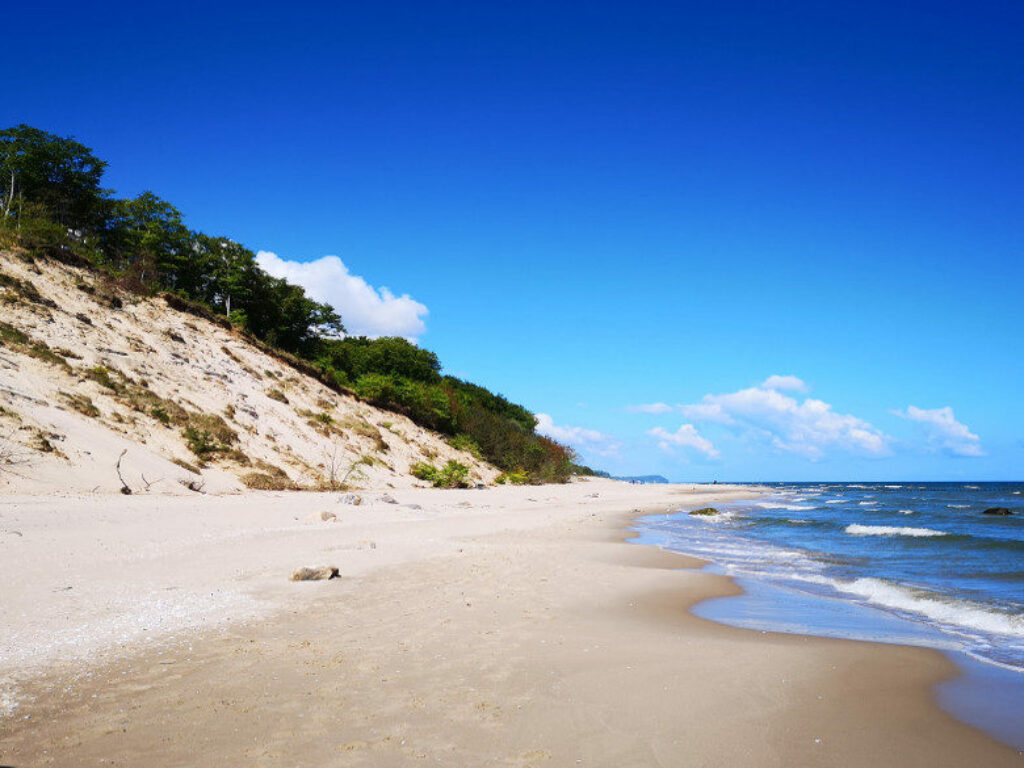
805, 428
944, 431
686, 436
654, 408
580, 438
365, 310
784, 384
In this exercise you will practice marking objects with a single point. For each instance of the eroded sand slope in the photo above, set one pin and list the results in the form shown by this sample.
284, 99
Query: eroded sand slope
87, 372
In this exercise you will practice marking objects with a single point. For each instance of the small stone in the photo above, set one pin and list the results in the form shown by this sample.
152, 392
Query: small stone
413, 506
322, 573
705, 512
388, 499
351, 498
1001, 511
328, 517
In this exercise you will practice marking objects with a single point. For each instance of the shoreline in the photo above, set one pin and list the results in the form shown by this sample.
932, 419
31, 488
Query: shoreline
529, 641
982, 693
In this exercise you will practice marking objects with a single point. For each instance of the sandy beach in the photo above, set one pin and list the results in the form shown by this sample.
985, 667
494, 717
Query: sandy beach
507, 626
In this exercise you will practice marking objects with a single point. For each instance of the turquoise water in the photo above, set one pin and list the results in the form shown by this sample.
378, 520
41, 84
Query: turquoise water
909, 563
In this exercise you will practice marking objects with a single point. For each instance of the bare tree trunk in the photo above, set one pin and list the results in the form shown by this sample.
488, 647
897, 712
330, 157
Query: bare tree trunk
10, 198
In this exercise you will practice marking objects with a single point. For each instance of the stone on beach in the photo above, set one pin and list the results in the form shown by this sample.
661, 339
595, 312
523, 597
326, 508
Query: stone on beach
387, 498
321, 573
351, 498
1001, 511
705, 511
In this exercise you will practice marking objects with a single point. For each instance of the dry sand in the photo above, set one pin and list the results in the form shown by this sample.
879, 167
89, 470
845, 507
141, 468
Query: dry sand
510, 626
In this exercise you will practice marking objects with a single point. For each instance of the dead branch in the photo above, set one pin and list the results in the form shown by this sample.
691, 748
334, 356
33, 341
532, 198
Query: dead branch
124, 486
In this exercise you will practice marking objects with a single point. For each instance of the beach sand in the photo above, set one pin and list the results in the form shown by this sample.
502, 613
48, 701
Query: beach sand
510, 626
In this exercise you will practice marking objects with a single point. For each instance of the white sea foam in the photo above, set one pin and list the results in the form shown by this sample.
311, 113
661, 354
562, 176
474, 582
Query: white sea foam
959, 613
773, 505
889, 530
867, 503
906, 511
836, 501
958, 506
798, 522
894, 486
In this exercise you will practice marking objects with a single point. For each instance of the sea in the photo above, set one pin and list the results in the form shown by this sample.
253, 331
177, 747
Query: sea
899, 562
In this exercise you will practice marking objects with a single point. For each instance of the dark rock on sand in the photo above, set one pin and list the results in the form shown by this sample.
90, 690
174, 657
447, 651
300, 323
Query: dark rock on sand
323, 573
705, 512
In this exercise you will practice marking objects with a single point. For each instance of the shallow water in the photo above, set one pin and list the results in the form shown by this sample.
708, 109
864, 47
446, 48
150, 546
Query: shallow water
908, 563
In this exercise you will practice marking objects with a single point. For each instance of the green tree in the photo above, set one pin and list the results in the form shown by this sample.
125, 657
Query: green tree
58, 174
146, 235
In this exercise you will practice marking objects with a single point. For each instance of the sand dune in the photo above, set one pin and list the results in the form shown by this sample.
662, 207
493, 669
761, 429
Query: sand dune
90, 380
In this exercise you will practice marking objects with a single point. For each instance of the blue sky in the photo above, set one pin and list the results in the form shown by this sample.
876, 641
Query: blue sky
597, 207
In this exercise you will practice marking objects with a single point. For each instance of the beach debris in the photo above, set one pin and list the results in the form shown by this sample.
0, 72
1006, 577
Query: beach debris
194, 485
321, 573
705, 511
387, 498
1001, 511
351, 498
366, 544
124, 486
328, 517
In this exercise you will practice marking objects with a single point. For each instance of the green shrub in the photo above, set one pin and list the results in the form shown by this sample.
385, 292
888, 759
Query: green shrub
101, 376
515, 477
200, 442
467, 444
451, 475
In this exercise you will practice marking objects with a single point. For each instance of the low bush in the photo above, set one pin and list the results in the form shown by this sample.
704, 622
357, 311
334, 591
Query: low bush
451, 475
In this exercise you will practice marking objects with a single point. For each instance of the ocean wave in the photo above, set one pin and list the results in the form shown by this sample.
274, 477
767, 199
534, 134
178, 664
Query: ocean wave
958, 506
889, 530
952, 612
836, 501
905, 511
773, 505
894, 486
867, 503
